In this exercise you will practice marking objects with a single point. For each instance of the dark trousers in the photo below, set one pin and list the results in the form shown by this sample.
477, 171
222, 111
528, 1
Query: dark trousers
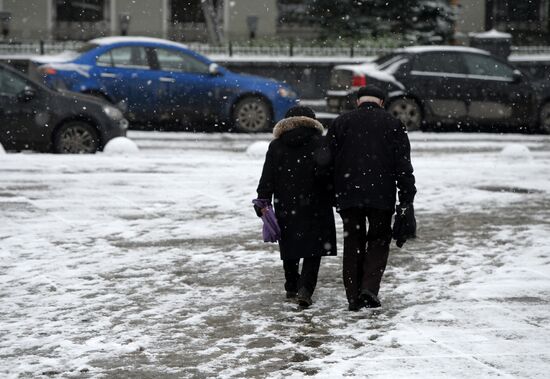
307, 279
365, 254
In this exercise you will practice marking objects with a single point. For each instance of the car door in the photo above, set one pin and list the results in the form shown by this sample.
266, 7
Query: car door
18, 112
435, 78
498, 94
124, 73
190, 92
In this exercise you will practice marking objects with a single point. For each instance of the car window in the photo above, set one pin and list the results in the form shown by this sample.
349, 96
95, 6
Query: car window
396, 66
384, 58
443, 62
105, 59
172, 60
125, 57
487, 66
11, 85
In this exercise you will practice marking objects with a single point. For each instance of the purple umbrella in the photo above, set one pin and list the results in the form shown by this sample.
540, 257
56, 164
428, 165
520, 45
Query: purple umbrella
271, 231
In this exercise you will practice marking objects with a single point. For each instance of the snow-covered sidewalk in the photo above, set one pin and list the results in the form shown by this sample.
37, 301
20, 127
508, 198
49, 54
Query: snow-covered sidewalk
151, 266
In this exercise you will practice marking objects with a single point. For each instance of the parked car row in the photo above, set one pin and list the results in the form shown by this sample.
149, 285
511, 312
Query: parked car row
447, 85
79, 100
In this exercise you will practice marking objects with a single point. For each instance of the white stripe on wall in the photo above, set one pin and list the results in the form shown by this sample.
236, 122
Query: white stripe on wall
50, 18
114, 17
165, 17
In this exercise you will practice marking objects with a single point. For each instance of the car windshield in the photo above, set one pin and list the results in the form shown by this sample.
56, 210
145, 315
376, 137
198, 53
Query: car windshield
387, 60
86, 47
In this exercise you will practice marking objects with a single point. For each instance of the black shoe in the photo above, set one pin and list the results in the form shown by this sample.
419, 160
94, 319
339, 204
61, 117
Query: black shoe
290, 295
355, 305
370, 299
304, 298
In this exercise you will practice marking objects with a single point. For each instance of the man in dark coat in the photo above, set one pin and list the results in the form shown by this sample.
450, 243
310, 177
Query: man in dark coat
296, 173
371, 156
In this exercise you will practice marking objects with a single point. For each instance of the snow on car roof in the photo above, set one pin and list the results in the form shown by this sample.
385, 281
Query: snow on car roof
493, 33
123, 39
436, 48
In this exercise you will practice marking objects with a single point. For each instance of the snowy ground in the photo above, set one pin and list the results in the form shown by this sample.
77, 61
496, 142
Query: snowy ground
150, 266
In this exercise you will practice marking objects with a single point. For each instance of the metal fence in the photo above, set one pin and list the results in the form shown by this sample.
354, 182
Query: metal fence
38, 47
53, 47
290, 50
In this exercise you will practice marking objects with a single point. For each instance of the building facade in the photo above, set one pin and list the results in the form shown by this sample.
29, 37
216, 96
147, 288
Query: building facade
527, 20
184, 20
470, 17
231, 20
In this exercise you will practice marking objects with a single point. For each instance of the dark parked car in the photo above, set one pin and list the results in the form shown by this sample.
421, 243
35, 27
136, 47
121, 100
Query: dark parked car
34, 117
447, 85
160, 82
536, 65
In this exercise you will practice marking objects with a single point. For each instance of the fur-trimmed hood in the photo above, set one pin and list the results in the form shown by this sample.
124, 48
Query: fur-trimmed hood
291, 123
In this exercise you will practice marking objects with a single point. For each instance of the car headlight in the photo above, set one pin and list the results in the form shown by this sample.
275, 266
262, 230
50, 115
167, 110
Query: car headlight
113, 113
286, 92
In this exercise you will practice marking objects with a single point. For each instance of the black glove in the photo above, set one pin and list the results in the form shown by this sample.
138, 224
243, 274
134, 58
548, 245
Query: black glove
258, 211
404, 226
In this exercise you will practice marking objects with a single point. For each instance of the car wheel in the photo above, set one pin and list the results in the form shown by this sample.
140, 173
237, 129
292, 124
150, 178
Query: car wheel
252, 115
544, 118
76, 137
408, 112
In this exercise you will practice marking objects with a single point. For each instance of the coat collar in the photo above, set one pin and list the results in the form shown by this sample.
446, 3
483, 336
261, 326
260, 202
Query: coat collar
291, 123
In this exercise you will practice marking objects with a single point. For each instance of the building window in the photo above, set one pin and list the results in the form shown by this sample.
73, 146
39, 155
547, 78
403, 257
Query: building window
527, 20
293, 12
520, 11
80, 10
183, 11
188, 11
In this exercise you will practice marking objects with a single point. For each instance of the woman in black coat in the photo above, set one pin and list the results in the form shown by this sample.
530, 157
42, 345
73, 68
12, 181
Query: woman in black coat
297, 175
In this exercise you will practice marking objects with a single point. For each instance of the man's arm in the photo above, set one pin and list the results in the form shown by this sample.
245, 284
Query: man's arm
403, 166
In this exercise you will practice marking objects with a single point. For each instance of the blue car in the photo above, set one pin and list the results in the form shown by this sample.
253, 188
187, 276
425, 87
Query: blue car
159, 82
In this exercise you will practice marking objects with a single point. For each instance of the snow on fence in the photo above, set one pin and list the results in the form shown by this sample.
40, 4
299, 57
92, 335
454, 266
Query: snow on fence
38, 47
530, 50
53, 47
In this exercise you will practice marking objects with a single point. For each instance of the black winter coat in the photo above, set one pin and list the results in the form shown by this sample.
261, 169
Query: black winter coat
371, 156
296, 173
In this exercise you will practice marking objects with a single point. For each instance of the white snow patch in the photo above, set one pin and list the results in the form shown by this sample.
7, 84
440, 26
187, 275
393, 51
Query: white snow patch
529, 57
436, 48
516, 151
135, 39
2, 151
493, 33
90, 287
121, 145
257, 149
